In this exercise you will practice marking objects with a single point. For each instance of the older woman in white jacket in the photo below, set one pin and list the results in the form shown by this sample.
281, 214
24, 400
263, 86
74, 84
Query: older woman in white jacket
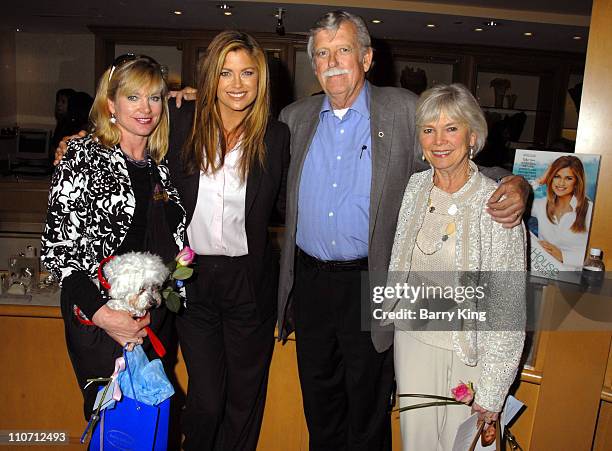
443, 227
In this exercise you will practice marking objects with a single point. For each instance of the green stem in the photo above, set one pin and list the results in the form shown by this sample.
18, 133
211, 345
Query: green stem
419, 395
429, 404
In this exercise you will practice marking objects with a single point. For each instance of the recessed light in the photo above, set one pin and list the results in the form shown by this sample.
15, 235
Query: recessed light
431, 25
178, 13
577, 38
376, 21
491, 23
225, 8
477, 29
528, 33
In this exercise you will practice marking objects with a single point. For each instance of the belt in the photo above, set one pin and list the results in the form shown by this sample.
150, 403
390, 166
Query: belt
360, 264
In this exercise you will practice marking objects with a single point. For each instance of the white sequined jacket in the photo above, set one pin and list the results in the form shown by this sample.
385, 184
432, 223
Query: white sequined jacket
481, 245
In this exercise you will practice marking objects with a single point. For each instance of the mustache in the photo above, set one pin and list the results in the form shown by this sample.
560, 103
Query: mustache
335, 71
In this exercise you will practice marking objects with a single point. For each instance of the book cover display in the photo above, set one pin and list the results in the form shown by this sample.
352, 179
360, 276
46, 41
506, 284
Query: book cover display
564, 187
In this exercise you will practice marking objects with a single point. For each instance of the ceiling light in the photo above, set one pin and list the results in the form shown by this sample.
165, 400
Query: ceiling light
491, 23
376, 21
178, 13
431, 25
225, 8
528, 33
577, 38
477, 29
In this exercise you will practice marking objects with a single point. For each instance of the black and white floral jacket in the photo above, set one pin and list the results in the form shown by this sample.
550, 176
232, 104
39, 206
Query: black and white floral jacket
90, 208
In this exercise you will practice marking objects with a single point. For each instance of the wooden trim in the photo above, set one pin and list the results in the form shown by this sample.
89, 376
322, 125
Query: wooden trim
606, 394
32, 311
531, 376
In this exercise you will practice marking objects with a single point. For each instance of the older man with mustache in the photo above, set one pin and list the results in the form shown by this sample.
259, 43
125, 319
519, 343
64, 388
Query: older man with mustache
353, 151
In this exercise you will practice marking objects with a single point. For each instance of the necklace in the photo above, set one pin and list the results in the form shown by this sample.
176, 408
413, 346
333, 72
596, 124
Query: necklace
448, 230
138, 163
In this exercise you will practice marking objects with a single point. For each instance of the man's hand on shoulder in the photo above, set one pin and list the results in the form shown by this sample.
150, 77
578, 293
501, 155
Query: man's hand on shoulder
507, 204
62, 147
187, 93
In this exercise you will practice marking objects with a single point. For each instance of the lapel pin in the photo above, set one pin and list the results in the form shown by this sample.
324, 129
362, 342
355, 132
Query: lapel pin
381, 134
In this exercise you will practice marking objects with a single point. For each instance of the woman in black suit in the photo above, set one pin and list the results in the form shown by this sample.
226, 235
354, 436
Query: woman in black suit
229, 162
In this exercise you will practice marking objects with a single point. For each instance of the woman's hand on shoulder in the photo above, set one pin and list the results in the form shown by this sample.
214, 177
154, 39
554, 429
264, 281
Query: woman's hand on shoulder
187, 93
507, 204
121, 327
62, 147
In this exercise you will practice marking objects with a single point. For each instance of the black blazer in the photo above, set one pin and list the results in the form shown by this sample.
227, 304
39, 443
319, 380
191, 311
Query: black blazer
265, 193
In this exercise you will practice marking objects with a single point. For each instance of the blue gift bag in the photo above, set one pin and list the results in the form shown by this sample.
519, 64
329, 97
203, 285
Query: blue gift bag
131, 424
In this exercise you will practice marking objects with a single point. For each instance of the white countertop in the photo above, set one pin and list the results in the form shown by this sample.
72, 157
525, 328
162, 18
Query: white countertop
49, 296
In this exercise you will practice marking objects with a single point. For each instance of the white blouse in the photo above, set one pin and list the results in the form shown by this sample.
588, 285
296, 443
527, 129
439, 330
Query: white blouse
218, 223
571, 244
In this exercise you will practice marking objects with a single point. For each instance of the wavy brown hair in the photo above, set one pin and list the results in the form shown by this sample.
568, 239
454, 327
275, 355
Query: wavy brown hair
552, 200
206, 147
127, 79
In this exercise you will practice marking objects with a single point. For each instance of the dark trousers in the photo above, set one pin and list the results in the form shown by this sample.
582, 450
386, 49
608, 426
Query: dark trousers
93, 352
346, 384
227, 351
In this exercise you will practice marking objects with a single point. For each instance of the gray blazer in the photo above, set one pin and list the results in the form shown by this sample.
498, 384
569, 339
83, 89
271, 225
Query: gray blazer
394, 159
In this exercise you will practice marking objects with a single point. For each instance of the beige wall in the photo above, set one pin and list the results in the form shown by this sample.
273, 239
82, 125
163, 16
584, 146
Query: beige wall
46, 63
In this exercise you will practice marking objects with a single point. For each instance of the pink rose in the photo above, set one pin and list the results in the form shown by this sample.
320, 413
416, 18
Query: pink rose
463, 393
185, 257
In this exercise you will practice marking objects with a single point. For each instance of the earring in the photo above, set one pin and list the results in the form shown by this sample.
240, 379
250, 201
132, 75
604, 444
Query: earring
113, 119
471, 152
423, 157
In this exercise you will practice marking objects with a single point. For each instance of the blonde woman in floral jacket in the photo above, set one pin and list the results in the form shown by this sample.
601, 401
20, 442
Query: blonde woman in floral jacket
110, 195
443, 228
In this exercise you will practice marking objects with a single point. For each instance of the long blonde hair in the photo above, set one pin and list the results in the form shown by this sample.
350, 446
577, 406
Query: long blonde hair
206, 147
552, 201
126, 79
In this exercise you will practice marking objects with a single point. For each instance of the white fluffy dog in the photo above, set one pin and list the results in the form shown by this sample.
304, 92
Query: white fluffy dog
135, 280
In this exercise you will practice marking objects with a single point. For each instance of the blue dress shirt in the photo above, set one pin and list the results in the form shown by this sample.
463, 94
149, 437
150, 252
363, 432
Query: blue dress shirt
334, 193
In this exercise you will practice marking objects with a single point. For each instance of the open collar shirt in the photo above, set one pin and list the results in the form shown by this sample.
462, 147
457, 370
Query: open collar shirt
218, 223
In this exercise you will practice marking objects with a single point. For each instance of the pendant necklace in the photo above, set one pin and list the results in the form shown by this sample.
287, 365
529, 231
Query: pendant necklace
448, 231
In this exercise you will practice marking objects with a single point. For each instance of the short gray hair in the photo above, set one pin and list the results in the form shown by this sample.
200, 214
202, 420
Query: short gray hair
331, 22
458, 103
